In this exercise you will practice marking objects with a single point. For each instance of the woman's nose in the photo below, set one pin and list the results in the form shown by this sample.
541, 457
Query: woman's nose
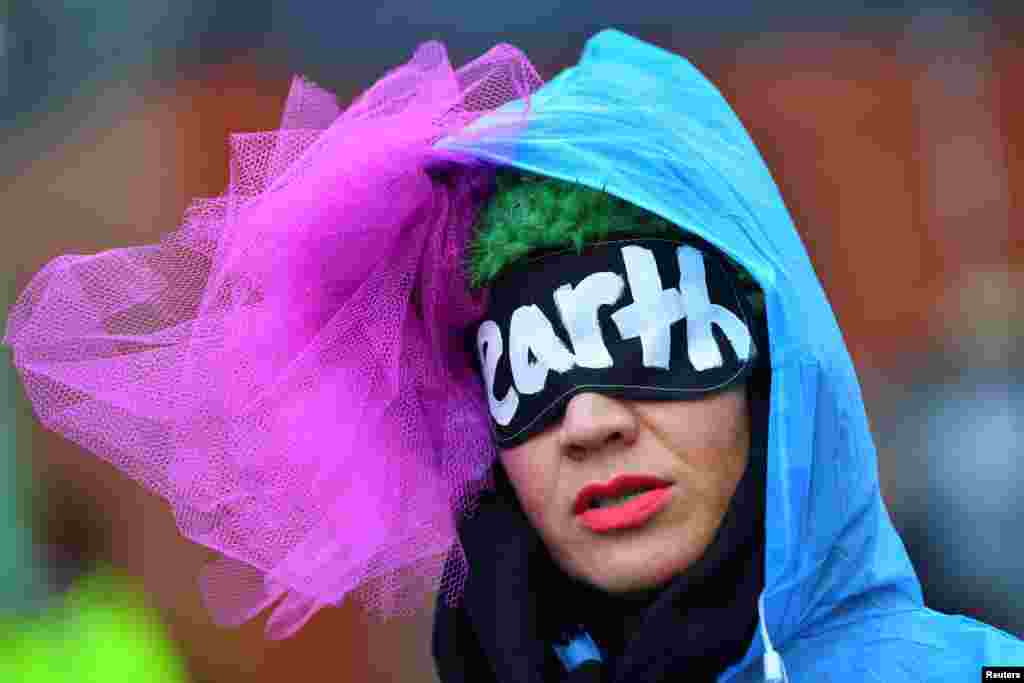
593, 421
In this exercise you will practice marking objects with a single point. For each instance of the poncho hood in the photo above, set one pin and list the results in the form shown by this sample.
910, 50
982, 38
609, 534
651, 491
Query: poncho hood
840, 596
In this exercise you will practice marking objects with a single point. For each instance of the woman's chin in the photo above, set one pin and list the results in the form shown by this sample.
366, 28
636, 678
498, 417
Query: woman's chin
628, 577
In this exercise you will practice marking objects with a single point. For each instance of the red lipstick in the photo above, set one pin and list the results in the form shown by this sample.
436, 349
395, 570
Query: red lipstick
626, 515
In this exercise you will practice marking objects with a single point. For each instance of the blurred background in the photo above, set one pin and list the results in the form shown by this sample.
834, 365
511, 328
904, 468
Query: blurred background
895, 136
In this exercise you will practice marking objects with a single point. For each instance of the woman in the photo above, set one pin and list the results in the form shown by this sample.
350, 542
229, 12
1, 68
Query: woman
819, 569
563, 553
288, 370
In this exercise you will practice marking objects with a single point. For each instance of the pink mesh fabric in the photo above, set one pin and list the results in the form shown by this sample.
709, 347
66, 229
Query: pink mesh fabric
288, 368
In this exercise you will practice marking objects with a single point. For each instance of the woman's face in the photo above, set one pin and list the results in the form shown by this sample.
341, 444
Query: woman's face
700, 447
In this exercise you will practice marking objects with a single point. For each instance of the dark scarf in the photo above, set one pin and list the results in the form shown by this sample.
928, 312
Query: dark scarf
517, 601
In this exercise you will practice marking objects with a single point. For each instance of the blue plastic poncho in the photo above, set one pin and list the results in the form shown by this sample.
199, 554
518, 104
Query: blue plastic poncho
841, 600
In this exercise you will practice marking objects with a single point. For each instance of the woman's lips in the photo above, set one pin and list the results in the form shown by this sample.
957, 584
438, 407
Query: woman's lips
631, 514
619, 486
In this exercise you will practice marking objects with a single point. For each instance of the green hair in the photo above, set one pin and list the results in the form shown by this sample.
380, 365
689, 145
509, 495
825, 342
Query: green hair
530, 213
